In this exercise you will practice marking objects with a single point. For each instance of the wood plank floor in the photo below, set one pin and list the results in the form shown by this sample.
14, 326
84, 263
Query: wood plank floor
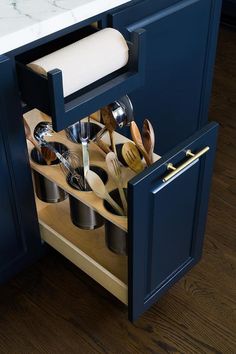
54, 308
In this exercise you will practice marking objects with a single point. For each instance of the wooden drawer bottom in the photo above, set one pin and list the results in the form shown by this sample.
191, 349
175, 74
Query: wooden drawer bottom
86, 249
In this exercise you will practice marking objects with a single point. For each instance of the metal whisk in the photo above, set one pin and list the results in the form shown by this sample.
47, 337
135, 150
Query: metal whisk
69, 169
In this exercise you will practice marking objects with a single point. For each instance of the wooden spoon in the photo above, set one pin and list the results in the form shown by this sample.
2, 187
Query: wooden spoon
136, 136
132, 157
29, 136
100, 190
148, 138
113, 166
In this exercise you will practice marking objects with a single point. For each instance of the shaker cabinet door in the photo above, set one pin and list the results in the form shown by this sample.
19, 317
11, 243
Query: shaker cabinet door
181, 37
167, 215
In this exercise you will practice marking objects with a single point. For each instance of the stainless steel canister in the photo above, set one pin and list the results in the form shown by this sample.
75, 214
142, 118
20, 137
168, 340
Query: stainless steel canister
73, 132
83, 216
46, 190
116, 238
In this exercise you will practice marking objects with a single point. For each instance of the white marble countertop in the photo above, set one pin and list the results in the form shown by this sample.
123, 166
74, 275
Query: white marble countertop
24, 21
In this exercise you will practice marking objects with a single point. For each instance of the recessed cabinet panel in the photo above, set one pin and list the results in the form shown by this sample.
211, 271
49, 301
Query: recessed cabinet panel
180, 42
167, 215
172, 207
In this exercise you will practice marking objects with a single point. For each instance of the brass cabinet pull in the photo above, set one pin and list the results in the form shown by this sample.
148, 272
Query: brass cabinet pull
176, 170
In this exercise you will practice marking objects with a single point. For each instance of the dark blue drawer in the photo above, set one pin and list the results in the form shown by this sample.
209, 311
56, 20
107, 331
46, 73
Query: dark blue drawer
46, 93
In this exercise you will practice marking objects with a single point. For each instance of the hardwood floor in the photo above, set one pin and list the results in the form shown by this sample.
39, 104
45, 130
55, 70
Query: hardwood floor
54, 308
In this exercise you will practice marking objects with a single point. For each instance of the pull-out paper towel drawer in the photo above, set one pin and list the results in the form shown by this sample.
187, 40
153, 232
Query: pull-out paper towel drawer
46, 92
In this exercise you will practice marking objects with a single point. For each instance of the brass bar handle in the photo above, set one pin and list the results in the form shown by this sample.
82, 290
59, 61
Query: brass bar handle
176, 170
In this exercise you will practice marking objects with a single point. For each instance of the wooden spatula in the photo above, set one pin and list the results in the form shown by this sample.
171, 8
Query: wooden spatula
132, 157
136, 136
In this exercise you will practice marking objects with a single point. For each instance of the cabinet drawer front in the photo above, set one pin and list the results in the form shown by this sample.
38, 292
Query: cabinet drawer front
46, 92
167, 216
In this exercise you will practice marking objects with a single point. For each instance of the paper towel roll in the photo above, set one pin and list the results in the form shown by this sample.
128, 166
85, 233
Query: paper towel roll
86, 60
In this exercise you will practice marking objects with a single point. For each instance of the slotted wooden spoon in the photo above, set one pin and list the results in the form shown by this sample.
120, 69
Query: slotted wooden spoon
136, 136
132, 157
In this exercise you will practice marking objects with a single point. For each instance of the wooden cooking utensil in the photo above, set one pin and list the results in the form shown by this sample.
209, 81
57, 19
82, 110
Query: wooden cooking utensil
110, 124
29, 136
48, 155
100, 190
148, 138
132, 157
136, 136
113, 166
96, 116
103, 146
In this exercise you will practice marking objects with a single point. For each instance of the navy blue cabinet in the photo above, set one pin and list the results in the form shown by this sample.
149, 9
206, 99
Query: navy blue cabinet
19, 235
173, 48
181, 38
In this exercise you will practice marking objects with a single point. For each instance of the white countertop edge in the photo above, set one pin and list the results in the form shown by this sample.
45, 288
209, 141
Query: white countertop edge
56, 23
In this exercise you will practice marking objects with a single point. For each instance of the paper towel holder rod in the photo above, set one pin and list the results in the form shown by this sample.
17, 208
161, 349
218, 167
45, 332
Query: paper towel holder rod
46, 93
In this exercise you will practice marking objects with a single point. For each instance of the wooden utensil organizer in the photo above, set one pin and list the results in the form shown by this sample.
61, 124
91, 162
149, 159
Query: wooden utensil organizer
86, 249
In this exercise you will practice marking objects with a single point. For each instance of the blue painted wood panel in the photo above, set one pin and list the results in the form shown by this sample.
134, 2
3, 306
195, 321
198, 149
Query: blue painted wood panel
181, 42
167, 220
19, 233
11, 245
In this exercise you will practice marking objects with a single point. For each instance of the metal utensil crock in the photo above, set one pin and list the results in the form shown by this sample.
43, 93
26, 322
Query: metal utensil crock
46, 190
116, 238
83, 216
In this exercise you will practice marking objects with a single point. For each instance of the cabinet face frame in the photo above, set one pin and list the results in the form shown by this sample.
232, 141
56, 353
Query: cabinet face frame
26, 243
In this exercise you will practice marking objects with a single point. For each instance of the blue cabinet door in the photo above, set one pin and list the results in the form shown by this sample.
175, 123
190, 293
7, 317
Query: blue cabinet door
181, 39
167, 216
19, 233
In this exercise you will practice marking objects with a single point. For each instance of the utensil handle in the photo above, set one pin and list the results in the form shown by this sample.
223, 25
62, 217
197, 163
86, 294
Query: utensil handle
145, 155
123, 199
103, 146
114, 205
151, 157
85, 154
113, 145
